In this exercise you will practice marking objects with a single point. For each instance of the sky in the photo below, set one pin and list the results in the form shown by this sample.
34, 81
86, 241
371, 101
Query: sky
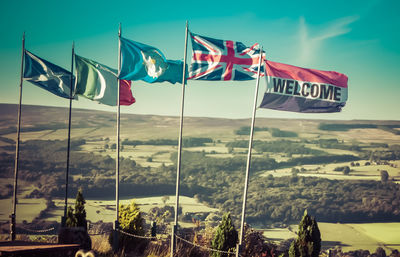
358, 38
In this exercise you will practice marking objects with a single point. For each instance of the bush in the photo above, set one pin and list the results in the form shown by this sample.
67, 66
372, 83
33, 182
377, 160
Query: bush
225, 237
130, 221
256, 245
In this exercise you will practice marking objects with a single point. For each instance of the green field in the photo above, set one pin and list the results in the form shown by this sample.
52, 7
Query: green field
349, 237
27, 209
362, 172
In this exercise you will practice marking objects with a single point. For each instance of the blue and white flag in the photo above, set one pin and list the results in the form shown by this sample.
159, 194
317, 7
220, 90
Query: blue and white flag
147, 63
47, 75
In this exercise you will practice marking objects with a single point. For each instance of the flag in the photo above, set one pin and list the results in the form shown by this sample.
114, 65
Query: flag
125, 93
47, 75
98, 82
147, 63
296, 89
215, 59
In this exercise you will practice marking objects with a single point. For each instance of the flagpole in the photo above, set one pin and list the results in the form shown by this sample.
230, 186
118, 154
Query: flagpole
64, 219
116, 223
178, 168
13, 214
246, 183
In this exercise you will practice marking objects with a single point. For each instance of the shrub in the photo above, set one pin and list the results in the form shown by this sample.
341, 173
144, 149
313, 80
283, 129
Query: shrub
256, 245
225, 237
130, 221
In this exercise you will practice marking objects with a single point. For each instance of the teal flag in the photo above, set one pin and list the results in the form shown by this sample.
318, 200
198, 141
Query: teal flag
47, 75
147, 63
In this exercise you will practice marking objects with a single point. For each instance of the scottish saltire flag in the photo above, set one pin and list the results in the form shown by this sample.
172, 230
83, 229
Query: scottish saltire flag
47, 75
215, 59
147, 63
98, 82
295, 89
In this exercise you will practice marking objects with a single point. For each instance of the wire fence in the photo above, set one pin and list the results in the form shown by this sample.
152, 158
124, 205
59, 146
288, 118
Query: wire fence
38, 230
100, 233
137, 236
179, 238
204, 247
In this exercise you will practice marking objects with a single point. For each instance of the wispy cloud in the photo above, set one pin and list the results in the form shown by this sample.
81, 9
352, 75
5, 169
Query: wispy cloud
310, 42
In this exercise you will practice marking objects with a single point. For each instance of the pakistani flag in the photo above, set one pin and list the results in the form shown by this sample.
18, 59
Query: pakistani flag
98, 82
47, 75
147, 63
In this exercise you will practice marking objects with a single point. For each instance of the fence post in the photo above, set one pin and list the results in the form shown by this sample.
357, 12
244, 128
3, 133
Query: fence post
153, 229
115, 237
173, 240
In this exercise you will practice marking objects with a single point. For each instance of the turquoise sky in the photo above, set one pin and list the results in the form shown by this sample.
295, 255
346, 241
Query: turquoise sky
358, 38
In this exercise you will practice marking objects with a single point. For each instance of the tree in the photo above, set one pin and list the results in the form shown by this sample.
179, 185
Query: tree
164, 199
384, 176
308, 241
77, 217
71, 220
380, 252
130, 221
346, 170
80, 212
225, 237
130, 218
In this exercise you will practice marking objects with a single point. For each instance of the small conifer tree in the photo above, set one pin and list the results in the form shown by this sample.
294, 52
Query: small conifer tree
77, 217
308, 242
80, 212
226, 237
71, 221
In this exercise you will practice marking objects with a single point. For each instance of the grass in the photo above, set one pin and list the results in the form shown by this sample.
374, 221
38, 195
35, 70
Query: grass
349, 237
105, 210
100, 244
362, 172
384, 232
27, 209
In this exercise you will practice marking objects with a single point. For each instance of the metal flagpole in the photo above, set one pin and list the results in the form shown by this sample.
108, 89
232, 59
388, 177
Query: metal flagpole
64, 219
12, 216
116, 223
246, 183
178, 168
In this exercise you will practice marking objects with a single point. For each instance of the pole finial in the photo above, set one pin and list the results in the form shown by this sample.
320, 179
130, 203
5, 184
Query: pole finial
119, 30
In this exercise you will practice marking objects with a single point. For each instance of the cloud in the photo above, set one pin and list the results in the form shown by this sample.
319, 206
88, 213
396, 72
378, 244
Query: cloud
311, 42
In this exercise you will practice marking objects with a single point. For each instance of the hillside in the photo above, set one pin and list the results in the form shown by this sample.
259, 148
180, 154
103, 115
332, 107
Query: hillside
332, 168
133, 126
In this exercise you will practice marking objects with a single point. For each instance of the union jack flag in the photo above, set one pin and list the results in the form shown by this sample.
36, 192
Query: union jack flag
215, 59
